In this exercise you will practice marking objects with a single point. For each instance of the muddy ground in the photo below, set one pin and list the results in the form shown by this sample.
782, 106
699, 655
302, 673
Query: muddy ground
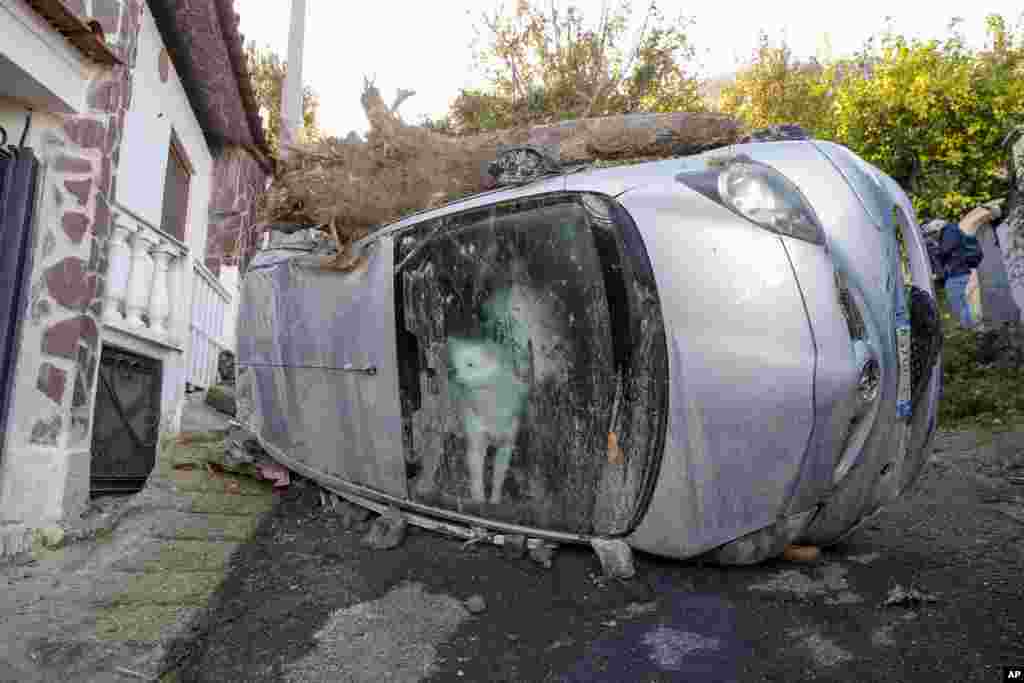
303, 600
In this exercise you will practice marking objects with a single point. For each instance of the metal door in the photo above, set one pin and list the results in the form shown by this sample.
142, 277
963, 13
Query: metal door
18, 175
127, 421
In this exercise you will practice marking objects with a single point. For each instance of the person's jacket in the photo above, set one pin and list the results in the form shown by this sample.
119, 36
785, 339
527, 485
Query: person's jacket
959, 253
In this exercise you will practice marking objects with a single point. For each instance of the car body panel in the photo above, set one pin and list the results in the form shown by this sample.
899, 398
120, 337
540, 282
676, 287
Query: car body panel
729, 431
307, 339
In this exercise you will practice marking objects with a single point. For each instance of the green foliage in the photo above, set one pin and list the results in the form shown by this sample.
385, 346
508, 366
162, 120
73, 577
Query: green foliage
930, 113
777, 88
548, 63
975, 394
266, 72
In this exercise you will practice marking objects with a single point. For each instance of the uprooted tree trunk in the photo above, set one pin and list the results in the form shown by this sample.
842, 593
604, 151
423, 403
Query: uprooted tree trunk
354, 186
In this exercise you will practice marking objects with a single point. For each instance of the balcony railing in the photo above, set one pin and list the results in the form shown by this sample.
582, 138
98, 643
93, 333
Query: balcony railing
210, 301
145, 277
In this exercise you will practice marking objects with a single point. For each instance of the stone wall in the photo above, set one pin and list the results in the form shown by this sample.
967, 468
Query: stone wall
238, 180
50, 427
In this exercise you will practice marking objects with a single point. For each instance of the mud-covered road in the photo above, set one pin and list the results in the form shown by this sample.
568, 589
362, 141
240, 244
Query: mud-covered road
304, 601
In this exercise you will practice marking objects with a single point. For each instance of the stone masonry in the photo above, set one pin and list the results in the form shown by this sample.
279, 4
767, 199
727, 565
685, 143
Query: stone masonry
61, 340
238, 179
50, 430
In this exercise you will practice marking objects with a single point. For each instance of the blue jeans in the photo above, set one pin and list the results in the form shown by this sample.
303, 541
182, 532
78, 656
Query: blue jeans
956, 293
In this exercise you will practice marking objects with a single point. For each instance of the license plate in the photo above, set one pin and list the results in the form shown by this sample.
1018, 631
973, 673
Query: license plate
903, 351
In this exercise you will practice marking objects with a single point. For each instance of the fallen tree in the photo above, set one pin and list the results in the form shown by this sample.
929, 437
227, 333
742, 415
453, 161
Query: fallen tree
353, 186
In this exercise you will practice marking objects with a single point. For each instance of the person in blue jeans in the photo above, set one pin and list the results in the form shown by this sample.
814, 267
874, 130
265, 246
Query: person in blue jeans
959, 253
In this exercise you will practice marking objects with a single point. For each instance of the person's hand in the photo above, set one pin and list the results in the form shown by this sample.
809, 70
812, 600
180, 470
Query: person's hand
995, 207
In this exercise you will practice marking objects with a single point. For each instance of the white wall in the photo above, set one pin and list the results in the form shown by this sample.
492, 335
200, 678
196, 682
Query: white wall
156, 108
229, 277
12, 118
37, 64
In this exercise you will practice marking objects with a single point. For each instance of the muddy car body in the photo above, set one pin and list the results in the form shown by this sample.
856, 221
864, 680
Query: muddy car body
713, 355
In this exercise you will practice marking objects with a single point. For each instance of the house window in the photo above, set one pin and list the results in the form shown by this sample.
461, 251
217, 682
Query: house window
176, 186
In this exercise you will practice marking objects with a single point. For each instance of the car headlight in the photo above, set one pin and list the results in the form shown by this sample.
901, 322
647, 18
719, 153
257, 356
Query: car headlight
759, 193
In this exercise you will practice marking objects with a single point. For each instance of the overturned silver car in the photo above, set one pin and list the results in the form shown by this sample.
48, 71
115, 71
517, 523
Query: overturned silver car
715, 355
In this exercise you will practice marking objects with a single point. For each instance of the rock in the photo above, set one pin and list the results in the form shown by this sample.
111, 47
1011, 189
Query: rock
514, 546
616, 557
387, 531
476, 604
222, 397
542, 554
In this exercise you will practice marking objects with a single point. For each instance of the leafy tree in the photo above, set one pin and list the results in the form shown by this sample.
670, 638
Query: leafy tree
267, 71
777, 88
549, 63
932, 114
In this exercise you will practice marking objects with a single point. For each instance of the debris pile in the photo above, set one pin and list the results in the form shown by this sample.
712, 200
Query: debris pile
351, 185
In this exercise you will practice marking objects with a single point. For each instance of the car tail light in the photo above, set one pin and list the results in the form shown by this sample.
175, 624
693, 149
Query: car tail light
759, 193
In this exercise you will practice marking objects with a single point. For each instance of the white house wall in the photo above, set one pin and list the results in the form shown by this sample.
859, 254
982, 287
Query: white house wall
103, 137
12, 118
38, 64
158, 106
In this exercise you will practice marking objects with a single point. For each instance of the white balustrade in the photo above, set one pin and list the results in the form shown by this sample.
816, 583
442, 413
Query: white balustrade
159, 295
139, 280
119, 266
144, 278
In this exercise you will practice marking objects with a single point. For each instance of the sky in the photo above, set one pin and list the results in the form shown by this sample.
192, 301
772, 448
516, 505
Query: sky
425, 46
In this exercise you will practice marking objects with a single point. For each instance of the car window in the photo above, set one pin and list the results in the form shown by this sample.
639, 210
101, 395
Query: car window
523, 329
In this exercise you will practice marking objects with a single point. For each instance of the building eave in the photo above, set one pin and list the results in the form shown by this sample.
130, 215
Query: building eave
86, 38
204, 44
